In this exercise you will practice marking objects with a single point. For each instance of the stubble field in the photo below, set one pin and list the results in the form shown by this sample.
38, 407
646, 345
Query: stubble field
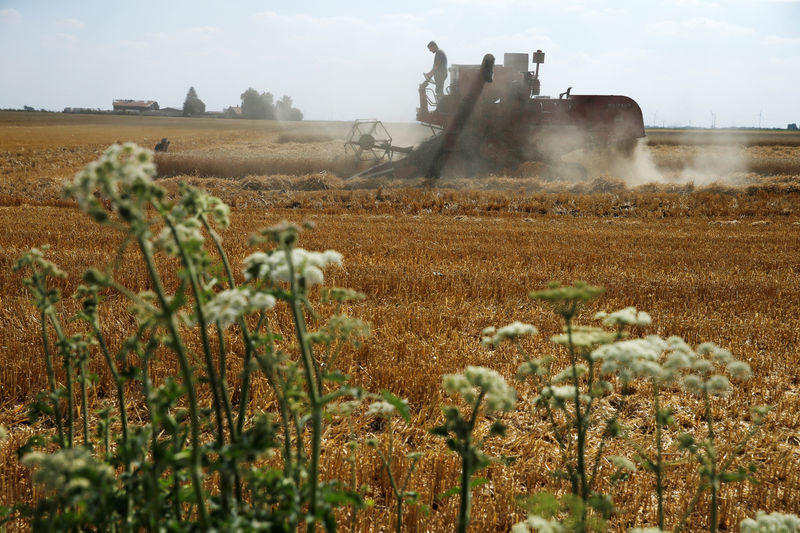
700, 230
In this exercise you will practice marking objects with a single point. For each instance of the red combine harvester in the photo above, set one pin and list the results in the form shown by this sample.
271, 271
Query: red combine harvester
493, 118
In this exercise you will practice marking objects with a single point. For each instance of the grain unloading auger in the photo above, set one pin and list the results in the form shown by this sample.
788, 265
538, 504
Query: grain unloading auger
494, 118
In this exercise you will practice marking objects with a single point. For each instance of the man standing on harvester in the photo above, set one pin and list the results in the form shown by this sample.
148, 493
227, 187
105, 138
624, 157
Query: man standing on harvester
439, 70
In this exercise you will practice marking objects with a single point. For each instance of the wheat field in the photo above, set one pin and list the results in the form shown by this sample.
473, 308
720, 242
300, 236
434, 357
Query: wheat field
702, 233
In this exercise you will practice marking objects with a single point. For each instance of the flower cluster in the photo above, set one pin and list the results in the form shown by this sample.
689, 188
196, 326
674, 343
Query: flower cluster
274, 266
68, 470
537, 524
493, 337
624, 317
188, 233
123, 174
195, 202
661, 360
584, 337
477, 379
227, 306
771, 523
381, 409
632, 358
35, 259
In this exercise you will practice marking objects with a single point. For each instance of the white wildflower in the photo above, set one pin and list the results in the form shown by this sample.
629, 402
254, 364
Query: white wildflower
624, 317
567, 374
537, 524
771, 523
511, 331
459, 384
679, 345
562, 392
631, 358
275, 265
188, 232
584, 337
702, 366
313, 276
622, 463
345, 408
261, 300
499, 396
226, 307
717, 384
677, 360
739, 370
381, 409
693, 383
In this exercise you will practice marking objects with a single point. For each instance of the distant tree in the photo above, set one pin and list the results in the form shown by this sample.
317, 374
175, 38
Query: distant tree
792, 127
285, 111
193, 105
255, 105
28, 108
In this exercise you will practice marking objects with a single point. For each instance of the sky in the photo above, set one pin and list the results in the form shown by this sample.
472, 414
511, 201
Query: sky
686, 62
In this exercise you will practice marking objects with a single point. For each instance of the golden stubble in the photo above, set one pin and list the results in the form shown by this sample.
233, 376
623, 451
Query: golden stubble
438, 265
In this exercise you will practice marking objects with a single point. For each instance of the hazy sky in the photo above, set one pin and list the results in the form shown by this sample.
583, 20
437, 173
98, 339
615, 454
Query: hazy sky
682, 60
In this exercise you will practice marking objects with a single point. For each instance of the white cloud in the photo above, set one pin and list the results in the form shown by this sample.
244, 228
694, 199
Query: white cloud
699, 27
65, 38
781, 41
188, 36
692, 3
71, 24
10, 16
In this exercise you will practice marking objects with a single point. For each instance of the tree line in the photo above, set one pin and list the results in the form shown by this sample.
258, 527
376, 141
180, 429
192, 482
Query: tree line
254, 105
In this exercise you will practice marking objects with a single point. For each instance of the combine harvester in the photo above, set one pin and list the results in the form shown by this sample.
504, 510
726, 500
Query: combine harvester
494, 118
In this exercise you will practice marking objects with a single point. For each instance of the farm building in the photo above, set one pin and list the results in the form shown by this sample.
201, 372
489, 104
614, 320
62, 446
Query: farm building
135, 105
233, 112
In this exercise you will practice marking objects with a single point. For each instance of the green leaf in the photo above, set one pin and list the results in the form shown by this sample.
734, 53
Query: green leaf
477, 482
336, 377
439, 431
543, 504
399, 404
448, 493
602, 504
498, 428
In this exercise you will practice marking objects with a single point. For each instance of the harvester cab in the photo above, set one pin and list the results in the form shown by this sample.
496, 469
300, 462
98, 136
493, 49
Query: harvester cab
493, 117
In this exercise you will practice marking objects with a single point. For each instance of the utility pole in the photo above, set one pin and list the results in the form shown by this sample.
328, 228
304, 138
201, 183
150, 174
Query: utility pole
759, 118
713, 120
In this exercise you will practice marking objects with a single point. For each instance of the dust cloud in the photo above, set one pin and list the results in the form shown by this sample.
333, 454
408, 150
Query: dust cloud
714, 161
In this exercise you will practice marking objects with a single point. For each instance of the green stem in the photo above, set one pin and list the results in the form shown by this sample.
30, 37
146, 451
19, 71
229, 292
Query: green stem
690, 507
70, 400
151, 481
309, 366
188, 378
467, 467
84, 402
223, 383
659, 464
248, 342
283, 406
203, 324
580, 424
118, 381
713, 474
465, 494
51, 378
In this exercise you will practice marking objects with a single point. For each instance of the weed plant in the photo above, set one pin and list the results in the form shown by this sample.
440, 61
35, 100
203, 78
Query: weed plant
188, 464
